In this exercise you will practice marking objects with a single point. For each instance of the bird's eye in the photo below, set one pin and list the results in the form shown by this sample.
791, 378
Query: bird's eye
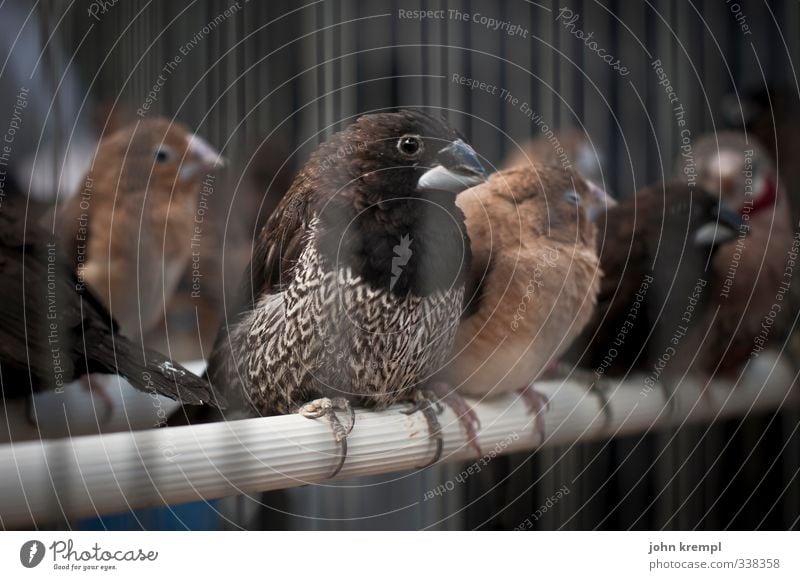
572, 196
163, 154
409, 145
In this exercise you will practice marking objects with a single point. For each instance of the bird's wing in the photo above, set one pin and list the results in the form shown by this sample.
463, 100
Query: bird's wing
475, 283
279, 245
623, 255
275, 253
67, 225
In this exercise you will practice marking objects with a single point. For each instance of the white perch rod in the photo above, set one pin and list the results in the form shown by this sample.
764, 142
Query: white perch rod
102, 474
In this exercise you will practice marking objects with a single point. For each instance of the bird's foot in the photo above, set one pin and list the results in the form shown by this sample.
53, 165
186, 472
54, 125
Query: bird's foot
536, 403
596, 386
95, 386
327, 408
670, 393
423, 402
463, 410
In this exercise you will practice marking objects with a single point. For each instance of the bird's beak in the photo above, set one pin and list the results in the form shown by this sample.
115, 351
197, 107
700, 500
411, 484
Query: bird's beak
601, 202
716, 232
201, 157
458, 169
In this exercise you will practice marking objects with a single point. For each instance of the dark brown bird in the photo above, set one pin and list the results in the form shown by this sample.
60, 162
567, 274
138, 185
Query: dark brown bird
533, 279
129, 229
357, 280
749, 270
655, 252
53, 329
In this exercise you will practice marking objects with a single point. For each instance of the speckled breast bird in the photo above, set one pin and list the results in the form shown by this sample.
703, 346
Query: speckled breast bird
357, 279
533, 279
53, 329
749, 272
129, 229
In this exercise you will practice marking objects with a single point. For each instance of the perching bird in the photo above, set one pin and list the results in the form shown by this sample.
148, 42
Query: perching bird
356, 283
53, 329
129, 230
749, 270
655, 252
533, 279
570, 148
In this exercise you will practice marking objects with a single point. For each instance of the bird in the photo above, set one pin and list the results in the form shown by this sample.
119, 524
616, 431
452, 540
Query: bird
54, 329
770, 114
356, 282
570, 148
132, 227
533, 281
749, 275
655, 252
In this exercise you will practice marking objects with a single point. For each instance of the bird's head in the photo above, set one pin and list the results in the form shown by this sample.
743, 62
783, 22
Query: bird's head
547, 200
714, 222
737, 169
398, 155
159, 155
676, 215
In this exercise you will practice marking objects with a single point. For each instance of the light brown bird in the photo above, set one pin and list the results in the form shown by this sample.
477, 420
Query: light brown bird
129, 230
748, 270
570, 148
533, 282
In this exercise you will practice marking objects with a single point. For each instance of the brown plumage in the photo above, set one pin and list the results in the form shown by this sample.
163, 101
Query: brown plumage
129, 229
748, 270
533, 280
357, 279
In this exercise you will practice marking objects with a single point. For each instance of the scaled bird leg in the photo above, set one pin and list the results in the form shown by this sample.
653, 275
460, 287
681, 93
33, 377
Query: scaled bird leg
596, 385
421, 401
536, 403
463, 410
326, 407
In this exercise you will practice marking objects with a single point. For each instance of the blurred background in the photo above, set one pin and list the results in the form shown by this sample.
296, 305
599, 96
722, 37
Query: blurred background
266, 82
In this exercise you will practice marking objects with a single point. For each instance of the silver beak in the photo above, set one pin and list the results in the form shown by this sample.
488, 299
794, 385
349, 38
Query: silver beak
458, 169
200, 157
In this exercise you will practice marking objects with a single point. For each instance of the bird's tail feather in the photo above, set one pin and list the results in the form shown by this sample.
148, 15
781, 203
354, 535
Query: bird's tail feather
149, 371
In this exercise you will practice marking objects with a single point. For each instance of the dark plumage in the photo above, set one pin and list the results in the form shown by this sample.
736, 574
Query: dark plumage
357, 279
749, 272
53, 329
656, 253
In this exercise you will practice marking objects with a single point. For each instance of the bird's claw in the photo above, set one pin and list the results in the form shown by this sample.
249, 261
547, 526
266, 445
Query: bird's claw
463, 410
326, 407
421, 401
599, 388
537, 403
